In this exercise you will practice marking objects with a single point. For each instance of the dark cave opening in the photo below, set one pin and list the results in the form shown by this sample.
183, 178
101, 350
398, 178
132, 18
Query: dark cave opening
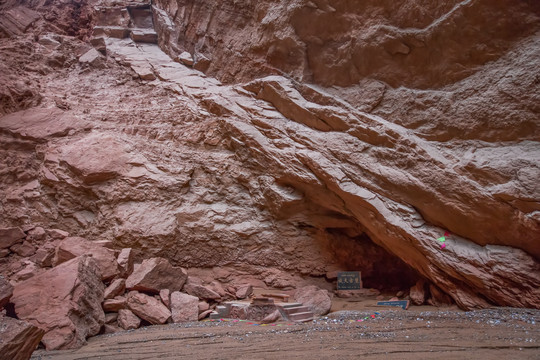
380, 269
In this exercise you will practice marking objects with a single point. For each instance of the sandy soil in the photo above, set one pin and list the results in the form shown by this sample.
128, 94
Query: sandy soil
417, 333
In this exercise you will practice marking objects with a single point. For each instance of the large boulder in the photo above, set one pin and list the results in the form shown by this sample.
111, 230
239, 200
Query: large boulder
18, 339
72, 247
6, 291
316, 299
184, 307
64, 301
148, 308
155, 274
10, 237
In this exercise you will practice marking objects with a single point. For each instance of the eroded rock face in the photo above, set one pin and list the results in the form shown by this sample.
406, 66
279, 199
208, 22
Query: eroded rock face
65, 302
431, 126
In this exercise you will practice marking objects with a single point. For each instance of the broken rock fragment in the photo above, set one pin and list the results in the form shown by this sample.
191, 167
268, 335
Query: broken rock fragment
65, 302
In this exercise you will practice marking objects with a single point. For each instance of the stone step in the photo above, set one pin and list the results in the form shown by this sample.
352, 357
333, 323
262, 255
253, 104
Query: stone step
144, 36
117, 32
301, 317
214, 315
290, 305
296, 309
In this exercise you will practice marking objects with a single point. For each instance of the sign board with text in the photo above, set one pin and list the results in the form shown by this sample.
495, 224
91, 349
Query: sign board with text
349, 280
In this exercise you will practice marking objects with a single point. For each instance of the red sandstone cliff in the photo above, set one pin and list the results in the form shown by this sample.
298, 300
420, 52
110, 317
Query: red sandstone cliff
324, 136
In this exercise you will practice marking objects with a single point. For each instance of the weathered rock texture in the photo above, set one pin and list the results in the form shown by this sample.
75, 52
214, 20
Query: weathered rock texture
350, 136
65, 302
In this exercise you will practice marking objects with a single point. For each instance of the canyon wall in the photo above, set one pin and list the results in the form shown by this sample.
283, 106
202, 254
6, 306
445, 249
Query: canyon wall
310, 137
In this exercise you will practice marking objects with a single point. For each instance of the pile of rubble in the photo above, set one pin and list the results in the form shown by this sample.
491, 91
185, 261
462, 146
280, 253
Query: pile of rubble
64, 289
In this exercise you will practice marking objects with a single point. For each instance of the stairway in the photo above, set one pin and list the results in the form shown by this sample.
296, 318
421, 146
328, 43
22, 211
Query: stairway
296, 312
128, 19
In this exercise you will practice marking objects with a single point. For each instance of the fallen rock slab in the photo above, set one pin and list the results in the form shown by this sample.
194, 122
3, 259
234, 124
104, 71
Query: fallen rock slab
18, 339
156, 274
148, 308
65, 302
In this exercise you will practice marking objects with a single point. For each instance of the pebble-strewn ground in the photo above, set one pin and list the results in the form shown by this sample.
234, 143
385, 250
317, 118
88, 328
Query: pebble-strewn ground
501, 333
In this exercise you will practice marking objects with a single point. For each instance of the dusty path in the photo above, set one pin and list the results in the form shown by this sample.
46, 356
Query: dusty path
488, 334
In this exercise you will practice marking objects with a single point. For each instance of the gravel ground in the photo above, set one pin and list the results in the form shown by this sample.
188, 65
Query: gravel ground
502, 333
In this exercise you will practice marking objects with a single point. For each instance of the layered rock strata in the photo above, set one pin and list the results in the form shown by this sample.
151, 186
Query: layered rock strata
281, 180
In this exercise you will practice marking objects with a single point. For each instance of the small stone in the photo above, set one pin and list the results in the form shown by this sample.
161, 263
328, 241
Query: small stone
10, 237
125, 260
111, 317
99, 44
110, 329
37, 234
203, 306
116, 304
204, 314
30, 270
165, 296
93, 58
57, 234
202, 63
24, 249
186, 58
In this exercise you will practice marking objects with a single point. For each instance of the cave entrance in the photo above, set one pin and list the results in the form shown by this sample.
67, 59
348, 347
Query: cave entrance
380, 269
